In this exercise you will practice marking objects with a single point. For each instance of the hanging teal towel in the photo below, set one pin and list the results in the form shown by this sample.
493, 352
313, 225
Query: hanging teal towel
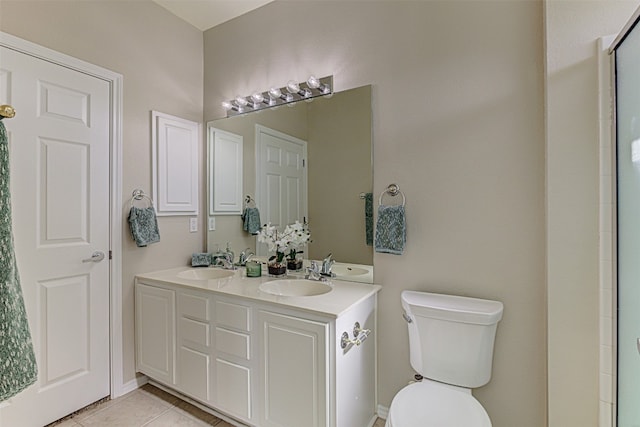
368, 218
251, 220
144, 226
391, 230
18, 368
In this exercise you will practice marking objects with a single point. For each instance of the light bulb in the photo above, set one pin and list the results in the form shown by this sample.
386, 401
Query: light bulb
274, 92
305, 93
227, 105
313, 82
325, 89
257, 97
241, 101
293, 87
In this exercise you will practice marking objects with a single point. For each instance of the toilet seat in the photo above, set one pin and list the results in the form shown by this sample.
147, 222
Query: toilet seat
432, 404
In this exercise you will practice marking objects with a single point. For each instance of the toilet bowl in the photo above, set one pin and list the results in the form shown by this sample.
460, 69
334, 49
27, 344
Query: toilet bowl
432, 404
451, 343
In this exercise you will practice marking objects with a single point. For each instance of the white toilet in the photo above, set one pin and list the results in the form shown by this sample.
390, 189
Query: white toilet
451, 345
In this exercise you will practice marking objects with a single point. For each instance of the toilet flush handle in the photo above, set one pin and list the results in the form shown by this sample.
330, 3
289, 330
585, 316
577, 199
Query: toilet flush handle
407, 318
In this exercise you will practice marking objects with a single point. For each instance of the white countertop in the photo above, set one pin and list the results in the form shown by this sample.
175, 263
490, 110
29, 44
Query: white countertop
343, 295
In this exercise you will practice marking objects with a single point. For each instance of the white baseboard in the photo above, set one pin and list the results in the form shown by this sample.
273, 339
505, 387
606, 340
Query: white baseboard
383, 411
131, 386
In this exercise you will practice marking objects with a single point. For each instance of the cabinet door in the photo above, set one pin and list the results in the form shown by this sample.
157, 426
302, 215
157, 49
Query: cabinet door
233, 388
155, 331
294, 373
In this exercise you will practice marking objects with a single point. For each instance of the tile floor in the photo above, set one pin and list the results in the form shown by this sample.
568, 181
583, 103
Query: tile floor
147, 406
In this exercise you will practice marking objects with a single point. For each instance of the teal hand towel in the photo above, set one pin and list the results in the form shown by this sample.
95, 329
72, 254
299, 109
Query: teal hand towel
18, 368
251, 220
144, 226
391, 230
368, 218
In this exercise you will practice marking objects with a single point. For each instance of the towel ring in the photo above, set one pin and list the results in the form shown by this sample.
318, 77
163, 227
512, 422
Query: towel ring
248, 200
139, 195
392, 190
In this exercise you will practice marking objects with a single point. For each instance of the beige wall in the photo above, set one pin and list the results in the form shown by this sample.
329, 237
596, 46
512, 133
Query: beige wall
458, 124
160, 57
571, 31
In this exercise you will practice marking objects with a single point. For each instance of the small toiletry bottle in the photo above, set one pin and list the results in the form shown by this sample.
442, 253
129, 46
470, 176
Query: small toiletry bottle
229, 253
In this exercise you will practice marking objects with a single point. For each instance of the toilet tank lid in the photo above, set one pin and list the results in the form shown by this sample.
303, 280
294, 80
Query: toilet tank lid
453, 307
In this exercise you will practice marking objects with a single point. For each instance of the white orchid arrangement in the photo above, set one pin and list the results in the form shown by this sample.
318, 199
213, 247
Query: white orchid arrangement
288, 241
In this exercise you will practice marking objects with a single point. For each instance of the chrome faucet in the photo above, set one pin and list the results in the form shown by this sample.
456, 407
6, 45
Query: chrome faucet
226, 262
245, 256
327, 263
313, 272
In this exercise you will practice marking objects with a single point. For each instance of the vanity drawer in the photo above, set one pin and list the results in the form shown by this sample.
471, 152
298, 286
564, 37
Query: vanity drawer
233, 316
194, 306
233, 343
194, 331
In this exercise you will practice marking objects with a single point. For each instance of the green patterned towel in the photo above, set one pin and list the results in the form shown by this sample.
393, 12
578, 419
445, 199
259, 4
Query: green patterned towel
144, 226
18, 368
391, 230
368, 218
251, 220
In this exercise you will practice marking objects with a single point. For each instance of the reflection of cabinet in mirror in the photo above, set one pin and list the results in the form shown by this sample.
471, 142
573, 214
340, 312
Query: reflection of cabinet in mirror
225, 172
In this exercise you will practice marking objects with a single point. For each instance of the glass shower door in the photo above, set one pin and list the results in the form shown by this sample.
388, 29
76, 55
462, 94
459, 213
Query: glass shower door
628, 188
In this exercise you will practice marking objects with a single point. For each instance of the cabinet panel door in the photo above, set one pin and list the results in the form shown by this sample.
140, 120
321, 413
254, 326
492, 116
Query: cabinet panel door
293, 374
155, 332
233, 388
192, 377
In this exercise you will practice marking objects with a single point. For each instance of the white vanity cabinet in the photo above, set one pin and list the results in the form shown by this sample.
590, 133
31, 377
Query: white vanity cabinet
259, 363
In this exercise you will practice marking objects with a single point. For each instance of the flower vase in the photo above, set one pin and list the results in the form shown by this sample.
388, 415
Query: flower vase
277, 269
294, 264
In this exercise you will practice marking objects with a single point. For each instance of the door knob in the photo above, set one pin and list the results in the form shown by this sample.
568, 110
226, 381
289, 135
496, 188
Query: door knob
97, 256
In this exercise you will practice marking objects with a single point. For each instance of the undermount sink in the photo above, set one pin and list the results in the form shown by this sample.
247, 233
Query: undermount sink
295, 288
205, 274
344, 270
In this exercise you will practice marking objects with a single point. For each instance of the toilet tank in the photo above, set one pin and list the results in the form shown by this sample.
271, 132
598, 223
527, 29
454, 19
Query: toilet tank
451, 337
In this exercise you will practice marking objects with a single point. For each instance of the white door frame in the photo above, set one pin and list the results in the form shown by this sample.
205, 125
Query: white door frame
8, 41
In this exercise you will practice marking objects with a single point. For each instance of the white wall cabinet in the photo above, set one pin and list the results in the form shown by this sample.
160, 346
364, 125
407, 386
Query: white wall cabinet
174, 165
260, 364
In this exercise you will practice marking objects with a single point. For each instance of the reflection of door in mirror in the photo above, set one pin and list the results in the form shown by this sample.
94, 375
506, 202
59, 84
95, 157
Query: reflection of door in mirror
338, 167
281, 179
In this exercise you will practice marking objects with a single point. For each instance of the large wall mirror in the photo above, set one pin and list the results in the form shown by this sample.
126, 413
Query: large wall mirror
337, 134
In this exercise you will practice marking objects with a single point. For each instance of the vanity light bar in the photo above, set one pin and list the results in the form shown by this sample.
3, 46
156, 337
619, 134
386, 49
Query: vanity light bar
292, 92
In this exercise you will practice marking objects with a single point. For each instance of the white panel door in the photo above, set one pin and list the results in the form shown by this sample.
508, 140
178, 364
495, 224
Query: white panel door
281, 187
59, 145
